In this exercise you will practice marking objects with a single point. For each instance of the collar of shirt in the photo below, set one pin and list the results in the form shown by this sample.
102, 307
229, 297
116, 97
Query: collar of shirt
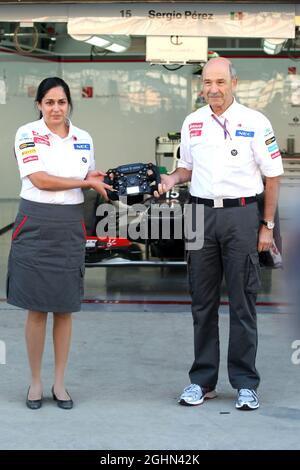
230, 111
226, 119
221, 121
44, 130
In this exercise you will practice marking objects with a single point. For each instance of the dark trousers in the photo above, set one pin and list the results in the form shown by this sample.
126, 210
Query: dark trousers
230, 248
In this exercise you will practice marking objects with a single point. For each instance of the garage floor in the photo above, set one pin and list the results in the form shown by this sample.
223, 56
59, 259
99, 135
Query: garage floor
131, 351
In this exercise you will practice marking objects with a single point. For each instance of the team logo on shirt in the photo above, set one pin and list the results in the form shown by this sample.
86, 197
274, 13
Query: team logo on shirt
84, 159
234, 152
28, 144
82, 146
195, 129
39, 135
270, 141
243, 133
40, 139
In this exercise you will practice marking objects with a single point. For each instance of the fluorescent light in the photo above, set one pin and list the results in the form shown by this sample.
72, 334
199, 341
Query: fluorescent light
116, 48
96, 41
109, 42
26, 24
273, 46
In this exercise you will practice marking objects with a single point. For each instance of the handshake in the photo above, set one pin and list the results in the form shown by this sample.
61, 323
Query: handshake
125, 180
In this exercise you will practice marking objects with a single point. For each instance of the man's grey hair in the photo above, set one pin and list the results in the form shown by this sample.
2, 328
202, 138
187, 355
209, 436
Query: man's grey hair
232, 71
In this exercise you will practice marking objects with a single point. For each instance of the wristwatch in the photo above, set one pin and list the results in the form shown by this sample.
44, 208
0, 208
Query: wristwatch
268, 223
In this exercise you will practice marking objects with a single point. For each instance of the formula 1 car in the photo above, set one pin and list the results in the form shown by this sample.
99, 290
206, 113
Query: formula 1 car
138, 230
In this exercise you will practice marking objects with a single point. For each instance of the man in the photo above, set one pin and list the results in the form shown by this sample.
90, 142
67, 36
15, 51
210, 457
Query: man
225, 149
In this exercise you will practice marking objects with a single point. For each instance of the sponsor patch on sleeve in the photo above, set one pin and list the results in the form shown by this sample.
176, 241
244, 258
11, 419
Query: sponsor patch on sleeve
27, 144
273, 147
243, 133
270, 141
268, 131
25, 135
31, 151
30, 158
195, 129
82, 146
275, 154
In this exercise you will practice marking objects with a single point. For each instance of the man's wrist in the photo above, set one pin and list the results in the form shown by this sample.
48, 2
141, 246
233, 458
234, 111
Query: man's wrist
268, 223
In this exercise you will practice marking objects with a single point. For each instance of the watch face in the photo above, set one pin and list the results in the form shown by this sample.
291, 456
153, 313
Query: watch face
270, 225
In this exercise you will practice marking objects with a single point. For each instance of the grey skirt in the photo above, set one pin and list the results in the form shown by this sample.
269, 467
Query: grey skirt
46, 260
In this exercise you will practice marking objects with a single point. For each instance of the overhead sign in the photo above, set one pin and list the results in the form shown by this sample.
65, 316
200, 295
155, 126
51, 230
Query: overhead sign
195, 19
163, 19
35, 13
119, 1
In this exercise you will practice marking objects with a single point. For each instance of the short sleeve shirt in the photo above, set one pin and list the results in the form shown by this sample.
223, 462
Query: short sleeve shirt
38, 149
228, 154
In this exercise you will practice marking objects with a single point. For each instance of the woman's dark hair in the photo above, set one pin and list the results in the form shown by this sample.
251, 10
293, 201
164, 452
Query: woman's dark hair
49, 83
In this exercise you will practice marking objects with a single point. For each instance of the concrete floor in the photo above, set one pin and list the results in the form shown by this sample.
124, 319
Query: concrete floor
128, 364
125, 373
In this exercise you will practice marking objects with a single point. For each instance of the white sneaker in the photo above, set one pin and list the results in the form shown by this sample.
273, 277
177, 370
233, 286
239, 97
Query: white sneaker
247, 399
195, 395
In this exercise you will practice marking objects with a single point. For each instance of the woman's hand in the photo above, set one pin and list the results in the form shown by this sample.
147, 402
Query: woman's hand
96, 173
95, 182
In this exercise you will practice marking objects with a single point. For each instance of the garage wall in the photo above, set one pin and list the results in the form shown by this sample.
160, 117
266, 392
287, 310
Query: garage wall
272, 86
133, 103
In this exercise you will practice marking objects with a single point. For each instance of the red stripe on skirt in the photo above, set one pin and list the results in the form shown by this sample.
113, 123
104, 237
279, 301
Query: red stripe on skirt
15, 233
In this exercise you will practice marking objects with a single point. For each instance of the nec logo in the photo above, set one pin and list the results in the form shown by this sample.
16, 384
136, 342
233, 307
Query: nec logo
243, 133
82, 146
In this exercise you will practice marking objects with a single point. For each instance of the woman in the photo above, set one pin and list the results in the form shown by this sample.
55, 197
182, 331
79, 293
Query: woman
46, 262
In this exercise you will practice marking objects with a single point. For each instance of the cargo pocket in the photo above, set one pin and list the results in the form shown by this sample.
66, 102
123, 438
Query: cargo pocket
252, 274
25, 240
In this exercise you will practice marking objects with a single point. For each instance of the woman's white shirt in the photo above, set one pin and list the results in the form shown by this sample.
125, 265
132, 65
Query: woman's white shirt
39, 149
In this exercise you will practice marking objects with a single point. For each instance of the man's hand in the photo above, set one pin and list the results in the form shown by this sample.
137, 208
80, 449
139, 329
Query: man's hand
265, 239
167, 183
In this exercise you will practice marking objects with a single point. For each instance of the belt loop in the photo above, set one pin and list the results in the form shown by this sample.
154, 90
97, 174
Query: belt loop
243, 202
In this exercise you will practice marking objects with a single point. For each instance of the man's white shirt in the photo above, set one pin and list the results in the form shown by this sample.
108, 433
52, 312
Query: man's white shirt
228, 167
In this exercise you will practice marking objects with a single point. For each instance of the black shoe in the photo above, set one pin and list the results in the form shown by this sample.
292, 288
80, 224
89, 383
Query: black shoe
33, 404
64, 404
